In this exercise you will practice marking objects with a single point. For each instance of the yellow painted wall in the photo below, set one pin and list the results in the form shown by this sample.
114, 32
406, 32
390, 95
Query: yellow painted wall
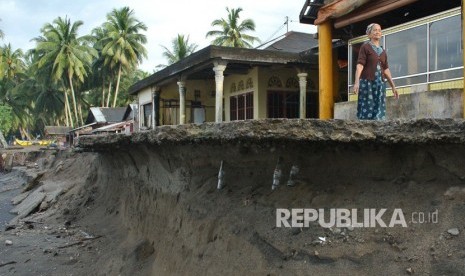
231, 80
145, 96
265, 73
259, 76
171, 91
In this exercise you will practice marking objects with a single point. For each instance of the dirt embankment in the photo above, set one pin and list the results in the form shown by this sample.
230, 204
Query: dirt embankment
154, 201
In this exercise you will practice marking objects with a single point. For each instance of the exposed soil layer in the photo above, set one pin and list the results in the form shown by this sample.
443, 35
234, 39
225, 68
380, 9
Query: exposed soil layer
149, 203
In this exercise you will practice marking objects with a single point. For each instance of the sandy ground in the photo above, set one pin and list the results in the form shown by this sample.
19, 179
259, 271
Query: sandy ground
38, 244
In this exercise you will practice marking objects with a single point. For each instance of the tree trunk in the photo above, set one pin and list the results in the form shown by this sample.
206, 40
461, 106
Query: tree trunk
28, 135
117, 85
74, 99
80, 114
24, 134
70, 114
103, 92
109, 94
3, 141
68, 110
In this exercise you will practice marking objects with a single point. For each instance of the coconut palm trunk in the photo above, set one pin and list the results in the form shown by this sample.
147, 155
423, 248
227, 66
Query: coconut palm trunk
103, 93
69, 117
66, 112
74, 98
117, 85
80, 114
109, 95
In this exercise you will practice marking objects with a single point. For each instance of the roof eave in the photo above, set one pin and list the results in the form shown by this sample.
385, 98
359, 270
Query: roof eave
206, 56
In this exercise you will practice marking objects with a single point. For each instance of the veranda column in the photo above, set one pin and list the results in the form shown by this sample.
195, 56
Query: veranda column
182, 102
219, 68
155, 106
325, 59
303, 94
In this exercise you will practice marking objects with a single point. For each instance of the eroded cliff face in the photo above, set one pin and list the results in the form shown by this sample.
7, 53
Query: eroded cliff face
149, 204
159, 191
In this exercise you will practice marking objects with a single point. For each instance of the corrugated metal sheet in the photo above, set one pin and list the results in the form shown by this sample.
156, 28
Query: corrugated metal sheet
57, 130
98, 115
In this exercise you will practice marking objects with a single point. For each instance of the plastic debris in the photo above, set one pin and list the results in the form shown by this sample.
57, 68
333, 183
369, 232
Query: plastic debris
221, 177
293, 173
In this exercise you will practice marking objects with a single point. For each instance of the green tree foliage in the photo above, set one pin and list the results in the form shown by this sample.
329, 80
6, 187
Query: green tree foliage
6, 118
35, 87
69, 55
12, 68
181, 48
232, 31
11, 63
123, 46
1, 33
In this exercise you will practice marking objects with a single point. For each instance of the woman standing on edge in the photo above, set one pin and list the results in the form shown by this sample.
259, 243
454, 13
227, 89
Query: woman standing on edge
370, 76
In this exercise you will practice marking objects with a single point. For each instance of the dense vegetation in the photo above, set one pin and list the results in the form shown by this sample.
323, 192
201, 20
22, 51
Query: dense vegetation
57, 81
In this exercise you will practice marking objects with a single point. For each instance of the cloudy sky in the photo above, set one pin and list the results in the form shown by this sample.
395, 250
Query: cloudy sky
21, 20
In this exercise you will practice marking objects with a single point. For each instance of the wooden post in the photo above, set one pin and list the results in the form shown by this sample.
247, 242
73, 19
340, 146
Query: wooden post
325, 59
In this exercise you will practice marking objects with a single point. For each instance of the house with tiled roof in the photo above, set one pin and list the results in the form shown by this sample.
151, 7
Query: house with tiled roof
224, 84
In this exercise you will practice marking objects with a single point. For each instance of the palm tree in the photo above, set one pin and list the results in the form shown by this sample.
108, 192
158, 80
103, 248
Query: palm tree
123, 48
11, 63
70, 56
180, 49
46, 97
102, 73
1, 33
232, 31
12, 69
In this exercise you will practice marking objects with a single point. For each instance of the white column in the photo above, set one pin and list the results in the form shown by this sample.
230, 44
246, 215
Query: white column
141, 115
182, 102
154, 90
219, 68
303, 95
155, 106
153, 110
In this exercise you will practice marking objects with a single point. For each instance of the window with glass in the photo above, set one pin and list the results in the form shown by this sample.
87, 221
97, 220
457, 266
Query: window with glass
406, 51
445, 53
428, 52
147, 115
283, 104
241, 107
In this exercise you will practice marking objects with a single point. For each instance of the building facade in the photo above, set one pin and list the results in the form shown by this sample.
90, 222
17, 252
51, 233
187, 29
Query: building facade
222, 84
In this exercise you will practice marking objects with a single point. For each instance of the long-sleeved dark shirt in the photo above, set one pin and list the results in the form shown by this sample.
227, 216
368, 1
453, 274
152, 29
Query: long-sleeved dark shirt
369, 59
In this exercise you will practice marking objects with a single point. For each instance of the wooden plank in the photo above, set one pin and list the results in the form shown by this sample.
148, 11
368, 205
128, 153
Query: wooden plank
337, 9
370, 10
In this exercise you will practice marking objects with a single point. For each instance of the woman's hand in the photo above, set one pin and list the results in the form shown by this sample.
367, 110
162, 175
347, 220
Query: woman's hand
396, 94
356, 88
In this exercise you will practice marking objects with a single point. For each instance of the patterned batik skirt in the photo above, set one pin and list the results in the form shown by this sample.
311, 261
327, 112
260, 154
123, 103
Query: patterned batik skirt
372, 99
